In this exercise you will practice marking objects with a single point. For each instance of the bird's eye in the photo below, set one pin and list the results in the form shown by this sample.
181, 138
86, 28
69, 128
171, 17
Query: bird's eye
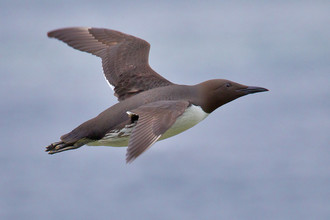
228, 85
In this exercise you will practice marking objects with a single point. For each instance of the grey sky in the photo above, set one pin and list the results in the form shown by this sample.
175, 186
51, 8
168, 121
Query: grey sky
276, 168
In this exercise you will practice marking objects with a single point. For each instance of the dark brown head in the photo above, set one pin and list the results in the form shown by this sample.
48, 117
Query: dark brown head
217, 92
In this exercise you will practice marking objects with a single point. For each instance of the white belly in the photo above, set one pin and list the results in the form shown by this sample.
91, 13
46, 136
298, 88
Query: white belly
192, 116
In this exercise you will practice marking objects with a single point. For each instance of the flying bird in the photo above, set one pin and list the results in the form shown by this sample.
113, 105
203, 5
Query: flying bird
150, 107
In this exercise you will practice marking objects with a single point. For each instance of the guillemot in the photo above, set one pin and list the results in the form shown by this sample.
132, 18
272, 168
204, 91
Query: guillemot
150, 107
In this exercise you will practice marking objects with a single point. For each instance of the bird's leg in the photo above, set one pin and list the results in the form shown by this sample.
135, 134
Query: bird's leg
59, 147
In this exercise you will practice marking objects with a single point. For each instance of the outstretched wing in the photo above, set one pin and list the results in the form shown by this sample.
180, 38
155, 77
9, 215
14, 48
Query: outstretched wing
124, 58
154, 119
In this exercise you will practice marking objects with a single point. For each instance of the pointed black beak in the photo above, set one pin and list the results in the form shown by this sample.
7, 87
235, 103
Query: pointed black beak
252, 89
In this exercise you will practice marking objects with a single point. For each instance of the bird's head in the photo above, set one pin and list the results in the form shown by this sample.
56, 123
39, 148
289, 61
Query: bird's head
218, 92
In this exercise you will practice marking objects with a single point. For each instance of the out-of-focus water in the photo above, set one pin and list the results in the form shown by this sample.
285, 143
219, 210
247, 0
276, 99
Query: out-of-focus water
264, 156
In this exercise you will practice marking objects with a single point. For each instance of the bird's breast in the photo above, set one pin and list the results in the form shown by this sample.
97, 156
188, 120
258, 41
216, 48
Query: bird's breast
192, 116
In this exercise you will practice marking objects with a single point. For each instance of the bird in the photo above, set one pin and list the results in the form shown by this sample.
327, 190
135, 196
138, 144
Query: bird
149, 108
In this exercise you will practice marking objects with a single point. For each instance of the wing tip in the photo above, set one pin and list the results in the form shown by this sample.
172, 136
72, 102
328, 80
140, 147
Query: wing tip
130, 157
50, 34
131, 154
129, 160
53, 33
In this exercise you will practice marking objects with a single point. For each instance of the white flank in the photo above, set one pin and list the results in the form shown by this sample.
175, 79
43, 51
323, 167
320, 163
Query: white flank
115, 138
119, 138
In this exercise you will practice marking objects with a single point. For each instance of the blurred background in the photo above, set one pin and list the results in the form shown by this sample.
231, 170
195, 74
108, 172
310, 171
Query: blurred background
264, 156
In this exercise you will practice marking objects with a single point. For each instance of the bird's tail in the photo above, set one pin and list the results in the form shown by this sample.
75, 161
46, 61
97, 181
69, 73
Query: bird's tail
72, 140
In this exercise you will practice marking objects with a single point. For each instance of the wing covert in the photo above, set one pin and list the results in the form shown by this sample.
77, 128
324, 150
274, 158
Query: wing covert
154, 119
125, 58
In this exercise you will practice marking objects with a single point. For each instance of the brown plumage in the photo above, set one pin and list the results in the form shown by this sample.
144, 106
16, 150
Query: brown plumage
150, 107
124, 58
